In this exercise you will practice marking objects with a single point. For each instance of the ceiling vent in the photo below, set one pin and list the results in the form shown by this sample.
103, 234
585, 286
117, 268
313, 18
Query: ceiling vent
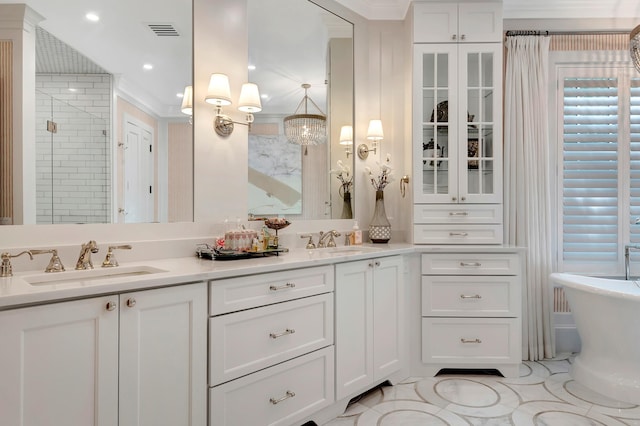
163, 30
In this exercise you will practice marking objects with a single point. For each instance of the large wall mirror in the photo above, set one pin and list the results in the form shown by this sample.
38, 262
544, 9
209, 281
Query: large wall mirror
292, 44
112, 144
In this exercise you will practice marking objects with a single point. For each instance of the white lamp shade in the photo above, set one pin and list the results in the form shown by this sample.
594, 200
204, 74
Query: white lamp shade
219, 92
346, 135
375, 130
187, 101
249, 98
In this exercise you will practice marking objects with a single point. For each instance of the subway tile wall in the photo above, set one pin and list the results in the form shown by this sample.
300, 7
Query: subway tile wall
73, 167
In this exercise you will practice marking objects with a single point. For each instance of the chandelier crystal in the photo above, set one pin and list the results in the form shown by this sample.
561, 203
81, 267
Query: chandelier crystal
634, 47
303, 128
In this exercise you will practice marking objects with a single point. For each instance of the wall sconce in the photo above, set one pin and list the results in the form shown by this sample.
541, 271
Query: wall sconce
219, 94
346, 139
375, 135
187, 103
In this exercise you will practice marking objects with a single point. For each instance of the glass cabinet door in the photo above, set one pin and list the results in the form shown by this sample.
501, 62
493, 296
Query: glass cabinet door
435, 123
480, 159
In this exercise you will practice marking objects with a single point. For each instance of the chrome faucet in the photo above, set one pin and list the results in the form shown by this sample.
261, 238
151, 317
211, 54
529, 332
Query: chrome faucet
627, 249
330, 235
84, 260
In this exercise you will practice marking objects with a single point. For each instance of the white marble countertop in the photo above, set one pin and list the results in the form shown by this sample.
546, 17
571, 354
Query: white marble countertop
35, 287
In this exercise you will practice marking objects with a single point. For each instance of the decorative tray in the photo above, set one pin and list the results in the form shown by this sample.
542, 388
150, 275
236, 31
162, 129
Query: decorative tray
205, 251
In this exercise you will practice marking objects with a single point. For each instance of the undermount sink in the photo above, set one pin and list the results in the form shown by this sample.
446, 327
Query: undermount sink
90, 275
347, 250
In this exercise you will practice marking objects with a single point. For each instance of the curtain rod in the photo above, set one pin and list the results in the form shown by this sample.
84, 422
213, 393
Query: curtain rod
511, 33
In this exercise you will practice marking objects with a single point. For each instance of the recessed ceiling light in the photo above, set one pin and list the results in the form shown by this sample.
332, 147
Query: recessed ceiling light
71, 89
147, 66
251, 67
180, 95
93, 17
264, 96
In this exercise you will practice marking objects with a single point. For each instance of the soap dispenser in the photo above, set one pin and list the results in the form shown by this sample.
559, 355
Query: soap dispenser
356, 234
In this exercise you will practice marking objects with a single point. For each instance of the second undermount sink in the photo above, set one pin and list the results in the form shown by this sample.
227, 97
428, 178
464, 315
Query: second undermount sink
90, 275
347, 250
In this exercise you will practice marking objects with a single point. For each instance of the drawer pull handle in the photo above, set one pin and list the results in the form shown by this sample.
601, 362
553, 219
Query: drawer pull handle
458, 213
284, 333
475, 296
470, 264
471, 341
288, 395
458, 234
282, 287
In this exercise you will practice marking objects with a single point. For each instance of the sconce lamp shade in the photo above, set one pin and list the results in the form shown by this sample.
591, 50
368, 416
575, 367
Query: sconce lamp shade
219, 93
634, 47
249, 98
346, 135
187, 101
375, 130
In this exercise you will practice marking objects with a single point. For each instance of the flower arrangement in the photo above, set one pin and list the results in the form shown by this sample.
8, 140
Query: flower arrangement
384, 177
343, 173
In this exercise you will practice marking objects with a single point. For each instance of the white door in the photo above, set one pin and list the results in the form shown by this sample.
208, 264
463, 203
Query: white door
163, 356
59, 364
138, 172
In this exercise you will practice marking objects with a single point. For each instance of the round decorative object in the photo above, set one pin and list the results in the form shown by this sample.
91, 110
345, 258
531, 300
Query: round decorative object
223, 125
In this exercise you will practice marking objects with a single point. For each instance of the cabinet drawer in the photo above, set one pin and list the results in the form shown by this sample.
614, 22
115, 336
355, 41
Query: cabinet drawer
247, 341
471, 296
280, 395
471, 264
471, 340
234, 294
457, 234
457, 213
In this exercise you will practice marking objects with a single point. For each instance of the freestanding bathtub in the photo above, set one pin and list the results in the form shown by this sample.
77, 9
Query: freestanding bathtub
607, 315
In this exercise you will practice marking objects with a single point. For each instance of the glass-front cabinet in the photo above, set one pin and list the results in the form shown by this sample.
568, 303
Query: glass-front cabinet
457, 131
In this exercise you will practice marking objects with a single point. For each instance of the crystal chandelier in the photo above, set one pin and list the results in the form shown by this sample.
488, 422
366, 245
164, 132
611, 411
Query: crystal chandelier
303, 128
634, 47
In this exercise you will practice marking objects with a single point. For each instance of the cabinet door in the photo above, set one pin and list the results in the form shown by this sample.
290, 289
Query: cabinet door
59, 363
480, 153
435, 22
388, 308
354, 327
163, 348
480, 22
435, 123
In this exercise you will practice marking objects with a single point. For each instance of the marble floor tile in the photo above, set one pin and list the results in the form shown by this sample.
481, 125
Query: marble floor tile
543, 395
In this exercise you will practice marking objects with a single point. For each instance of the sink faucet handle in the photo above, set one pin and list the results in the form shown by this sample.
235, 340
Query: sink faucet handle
310, 244
6, 270
110, 259
55, 264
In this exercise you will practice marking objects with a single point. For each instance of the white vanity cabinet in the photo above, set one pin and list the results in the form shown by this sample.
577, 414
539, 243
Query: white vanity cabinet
457, 127
369, 329
271, 347
471, 311
131, 359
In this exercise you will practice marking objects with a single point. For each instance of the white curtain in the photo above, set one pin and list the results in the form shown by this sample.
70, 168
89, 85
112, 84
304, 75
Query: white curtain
527, 191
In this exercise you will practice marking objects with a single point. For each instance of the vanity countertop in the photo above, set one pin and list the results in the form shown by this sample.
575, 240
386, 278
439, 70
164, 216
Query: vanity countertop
35, 287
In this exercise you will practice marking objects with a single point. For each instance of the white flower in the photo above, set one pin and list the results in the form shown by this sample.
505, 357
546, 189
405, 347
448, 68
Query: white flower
385, 177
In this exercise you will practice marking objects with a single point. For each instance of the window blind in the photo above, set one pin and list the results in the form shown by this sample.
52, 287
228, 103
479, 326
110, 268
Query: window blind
634, 161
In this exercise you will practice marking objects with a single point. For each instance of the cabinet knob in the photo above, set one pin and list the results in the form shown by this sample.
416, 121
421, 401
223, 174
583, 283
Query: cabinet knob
463, 37
463, 198
377, 263
453, 37
131, 302
454, 199
111, 306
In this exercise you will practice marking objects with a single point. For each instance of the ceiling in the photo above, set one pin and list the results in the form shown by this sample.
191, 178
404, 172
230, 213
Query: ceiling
121, 42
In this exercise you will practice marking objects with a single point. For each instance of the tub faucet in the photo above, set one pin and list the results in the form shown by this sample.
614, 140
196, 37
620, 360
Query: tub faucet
84, 260
627, 249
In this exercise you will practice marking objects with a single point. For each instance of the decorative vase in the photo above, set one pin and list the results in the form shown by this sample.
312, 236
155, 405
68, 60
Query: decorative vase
380, 227
347, 212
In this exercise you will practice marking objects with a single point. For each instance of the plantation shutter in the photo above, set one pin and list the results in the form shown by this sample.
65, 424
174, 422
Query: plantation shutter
634, 166
590, 200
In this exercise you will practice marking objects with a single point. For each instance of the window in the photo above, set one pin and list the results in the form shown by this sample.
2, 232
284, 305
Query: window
598, 166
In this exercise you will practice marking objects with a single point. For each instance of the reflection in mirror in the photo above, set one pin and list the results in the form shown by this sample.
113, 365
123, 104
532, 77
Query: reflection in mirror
112, 145
303, 44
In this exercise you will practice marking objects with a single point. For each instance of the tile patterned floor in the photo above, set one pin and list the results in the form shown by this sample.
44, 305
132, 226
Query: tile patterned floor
543, 395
